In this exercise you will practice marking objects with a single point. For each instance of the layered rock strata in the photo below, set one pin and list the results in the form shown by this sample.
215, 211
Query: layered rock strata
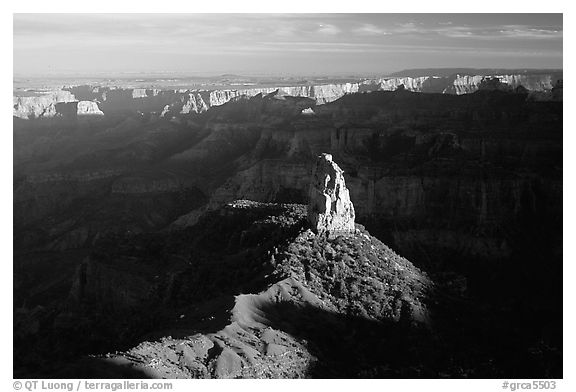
184, 101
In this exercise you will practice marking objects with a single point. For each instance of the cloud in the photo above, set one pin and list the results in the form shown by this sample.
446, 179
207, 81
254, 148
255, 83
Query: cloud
94, 40
381, 48
370, 29
520, 31
328, 29
502, 32
409, 27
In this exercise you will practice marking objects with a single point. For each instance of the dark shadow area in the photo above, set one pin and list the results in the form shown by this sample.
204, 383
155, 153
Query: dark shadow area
355, 347
501, 316
457, 344
145, 287
441, 176
98, 368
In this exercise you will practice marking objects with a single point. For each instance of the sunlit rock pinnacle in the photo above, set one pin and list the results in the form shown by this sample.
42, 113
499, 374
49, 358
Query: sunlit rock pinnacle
330, 209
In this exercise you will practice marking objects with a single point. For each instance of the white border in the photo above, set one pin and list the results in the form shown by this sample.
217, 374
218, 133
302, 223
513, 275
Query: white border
299, 6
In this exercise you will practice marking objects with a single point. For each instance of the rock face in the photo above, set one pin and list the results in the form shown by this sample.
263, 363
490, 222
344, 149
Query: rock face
402, 173
330, 209
42, 105
460, 84
89, 108
171, 102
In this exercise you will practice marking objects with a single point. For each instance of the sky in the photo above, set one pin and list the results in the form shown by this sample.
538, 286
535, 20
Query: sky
281, 44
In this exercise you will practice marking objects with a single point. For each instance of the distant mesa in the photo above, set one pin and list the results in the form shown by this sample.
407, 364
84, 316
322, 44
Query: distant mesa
330, 209
88, 108
41, 105
169, 102
60, 103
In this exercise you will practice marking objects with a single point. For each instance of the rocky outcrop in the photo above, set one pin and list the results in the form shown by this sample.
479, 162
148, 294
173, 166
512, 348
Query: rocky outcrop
89, 108
59, 103
466, 84
145, 93
185, 101
320, 93
254, 333
427, 84
460, 84
40, 106
199, 101
193, 103
407, 176
176, 102
329, 209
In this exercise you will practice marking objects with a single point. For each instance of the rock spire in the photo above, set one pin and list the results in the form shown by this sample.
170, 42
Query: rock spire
330, 209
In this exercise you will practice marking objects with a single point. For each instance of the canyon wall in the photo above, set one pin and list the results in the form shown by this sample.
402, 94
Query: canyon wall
465, 84
43, 105
467, 185
439, 172
88, 108
462, 188
59, 103
175, 102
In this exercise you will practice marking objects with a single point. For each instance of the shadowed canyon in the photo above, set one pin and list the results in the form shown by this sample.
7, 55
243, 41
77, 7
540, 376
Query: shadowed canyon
164, 232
